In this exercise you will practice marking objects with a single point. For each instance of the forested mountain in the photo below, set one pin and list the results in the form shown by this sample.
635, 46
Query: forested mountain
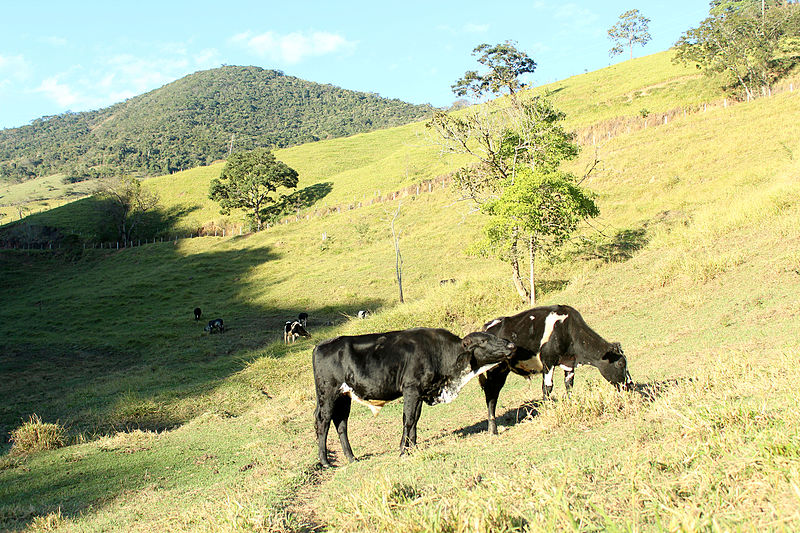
194, 121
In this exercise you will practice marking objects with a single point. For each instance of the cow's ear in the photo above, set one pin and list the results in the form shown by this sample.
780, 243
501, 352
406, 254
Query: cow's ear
612, 357
467, 342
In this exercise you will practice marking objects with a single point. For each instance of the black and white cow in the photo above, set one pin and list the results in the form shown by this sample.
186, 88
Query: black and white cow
547, 337
293, 329
421, 365
197, 313
215, 325
363, 314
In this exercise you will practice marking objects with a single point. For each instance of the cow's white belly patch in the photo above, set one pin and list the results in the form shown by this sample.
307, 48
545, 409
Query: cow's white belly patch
533, 365
374, 405
454, 386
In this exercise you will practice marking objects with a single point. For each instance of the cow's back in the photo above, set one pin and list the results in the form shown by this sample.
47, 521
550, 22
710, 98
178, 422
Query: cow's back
376, 365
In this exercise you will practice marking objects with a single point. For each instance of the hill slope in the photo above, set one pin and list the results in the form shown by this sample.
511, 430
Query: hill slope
192, 121
696, 274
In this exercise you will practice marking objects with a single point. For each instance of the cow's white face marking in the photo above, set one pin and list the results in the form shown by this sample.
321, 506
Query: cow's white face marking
374, 405
454, 386
548, 378
550, 323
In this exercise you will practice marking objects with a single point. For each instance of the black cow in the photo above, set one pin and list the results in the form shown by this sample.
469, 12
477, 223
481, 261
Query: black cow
547, 337
215, 325
420, 364
197, 313
293, 329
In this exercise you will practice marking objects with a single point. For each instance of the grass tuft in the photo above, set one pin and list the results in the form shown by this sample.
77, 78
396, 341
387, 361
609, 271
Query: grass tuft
36, 435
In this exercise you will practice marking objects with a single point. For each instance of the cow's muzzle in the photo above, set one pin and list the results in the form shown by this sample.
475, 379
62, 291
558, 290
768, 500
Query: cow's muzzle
626, 385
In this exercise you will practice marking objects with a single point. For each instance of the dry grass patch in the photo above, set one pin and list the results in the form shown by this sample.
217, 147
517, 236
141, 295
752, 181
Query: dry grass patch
36, 435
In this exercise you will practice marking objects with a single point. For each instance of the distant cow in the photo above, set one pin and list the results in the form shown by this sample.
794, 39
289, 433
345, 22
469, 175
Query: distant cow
547, 337
443, 282
303, 318
363, 314
293, 329
215, 325
197, 313
420, 364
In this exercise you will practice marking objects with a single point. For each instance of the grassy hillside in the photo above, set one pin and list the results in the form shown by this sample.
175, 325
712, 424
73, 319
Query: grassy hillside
193, 121
361, 166
696, 273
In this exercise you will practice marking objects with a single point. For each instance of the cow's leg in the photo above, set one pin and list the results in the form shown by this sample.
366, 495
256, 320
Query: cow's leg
569, 377
322, 421
492, 382
547, 382
412, 408
341, 412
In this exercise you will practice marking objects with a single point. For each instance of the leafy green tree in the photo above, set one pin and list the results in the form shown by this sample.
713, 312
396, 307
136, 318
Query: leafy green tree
506, 64
516, 147
631, 28
749, 46
126, 203
249, 181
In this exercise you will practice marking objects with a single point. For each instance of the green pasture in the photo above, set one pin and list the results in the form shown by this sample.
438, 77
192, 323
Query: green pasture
693, 266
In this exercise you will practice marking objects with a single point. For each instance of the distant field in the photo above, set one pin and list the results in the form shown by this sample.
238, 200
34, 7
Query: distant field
693, 266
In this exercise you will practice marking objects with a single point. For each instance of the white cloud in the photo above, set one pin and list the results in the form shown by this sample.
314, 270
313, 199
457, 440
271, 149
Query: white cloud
59, 92
293, 47
55, 40
476, 28
13, 68
466, 28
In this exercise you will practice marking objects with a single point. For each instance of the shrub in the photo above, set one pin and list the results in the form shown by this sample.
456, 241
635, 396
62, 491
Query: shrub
36, 435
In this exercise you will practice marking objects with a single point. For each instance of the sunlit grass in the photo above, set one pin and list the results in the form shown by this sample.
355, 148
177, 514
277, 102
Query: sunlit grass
696, 273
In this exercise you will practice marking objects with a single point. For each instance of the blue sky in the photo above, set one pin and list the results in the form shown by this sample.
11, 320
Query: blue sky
57, 56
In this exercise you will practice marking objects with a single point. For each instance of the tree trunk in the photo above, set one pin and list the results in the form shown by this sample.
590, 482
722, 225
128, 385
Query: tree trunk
398, 263
532, 258
515, 276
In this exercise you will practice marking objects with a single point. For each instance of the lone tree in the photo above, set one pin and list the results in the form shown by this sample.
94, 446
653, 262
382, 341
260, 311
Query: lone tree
506, 64
249, 180
632, 28
516, 147
126, 203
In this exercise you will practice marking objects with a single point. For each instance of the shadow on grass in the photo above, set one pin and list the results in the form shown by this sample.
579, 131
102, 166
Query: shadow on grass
110, 342
530, 409
621, 247
301, 199
510, 418
93, 219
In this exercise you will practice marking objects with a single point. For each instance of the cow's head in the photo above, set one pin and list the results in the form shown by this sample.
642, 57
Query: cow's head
614, 367
486, 349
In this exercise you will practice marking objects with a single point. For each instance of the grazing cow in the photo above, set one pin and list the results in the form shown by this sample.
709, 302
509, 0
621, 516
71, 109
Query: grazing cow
197, 313
215, 325
420, 364
293, 329
443, 282
363, 314
303, 318
547, 337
